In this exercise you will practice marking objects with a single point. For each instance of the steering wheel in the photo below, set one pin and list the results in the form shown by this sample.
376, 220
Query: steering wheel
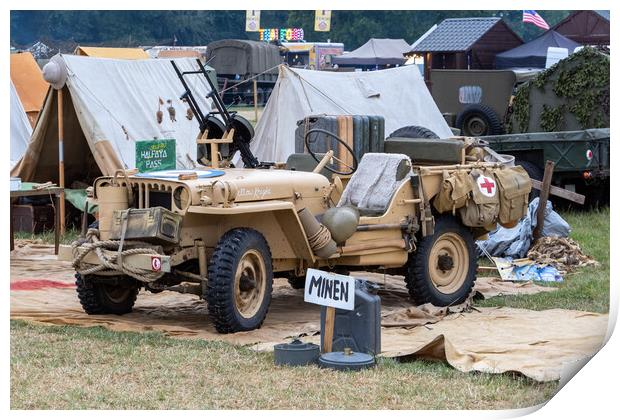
307, 142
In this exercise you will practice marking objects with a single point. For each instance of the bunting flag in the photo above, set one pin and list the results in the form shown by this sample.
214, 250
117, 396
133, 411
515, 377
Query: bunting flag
252, 20
322, 20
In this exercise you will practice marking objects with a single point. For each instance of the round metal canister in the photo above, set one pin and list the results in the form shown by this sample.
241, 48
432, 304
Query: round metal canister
346, 360
295, 353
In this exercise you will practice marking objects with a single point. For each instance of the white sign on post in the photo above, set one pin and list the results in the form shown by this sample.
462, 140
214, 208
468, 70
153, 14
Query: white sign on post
555, 54
329, 289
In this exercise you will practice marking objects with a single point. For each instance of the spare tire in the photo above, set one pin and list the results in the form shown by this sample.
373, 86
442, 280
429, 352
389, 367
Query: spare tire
414, 132
479, 120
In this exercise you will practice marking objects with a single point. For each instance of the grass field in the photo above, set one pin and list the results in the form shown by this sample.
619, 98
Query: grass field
70, 367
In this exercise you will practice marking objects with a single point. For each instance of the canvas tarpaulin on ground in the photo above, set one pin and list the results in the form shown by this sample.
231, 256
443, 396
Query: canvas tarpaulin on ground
20, 128
108, 106
29, 83
538, 344
399, 95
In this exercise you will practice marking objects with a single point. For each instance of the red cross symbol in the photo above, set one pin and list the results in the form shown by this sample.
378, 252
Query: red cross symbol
488, 184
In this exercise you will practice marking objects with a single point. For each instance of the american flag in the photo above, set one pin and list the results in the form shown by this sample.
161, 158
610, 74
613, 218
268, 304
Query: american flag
532, 17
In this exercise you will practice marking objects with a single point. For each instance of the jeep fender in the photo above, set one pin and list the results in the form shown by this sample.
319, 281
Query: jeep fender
290, 234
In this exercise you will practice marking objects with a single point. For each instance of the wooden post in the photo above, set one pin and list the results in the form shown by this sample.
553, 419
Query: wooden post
255, 101
328, 337
542, 199
61, 164
57, 197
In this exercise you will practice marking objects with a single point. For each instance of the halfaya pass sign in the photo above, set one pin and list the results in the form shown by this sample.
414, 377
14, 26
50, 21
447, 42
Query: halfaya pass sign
330, 289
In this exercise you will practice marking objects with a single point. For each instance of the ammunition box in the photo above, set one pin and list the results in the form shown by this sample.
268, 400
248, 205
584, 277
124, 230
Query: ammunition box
155, 225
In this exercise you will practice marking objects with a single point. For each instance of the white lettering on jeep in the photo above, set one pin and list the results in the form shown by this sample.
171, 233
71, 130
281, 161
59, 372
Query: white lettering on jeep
255, 193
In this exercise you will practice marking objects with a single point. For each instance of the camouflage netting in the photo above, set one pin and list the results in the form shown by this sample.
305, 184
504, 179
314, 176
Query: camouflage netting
571, 95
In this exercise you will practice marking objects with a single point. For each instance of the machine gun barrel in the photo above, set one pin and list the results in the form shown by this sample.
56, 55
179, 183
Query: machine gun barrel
249, 160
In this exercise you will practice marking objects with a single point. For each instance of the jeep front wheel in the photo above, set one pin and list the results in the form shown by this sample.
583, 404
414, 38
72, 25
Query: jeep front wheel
240, 281
106, 295
443, 269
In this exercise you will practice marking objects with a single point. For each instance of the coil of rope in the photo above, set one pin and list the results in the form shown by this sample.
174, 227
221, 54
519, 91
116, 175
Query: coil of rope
320, 239
110, 262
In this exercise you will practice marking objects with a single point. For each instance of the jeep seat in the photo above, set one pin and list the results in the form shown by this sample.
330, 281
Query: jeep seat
375, 182
437, 151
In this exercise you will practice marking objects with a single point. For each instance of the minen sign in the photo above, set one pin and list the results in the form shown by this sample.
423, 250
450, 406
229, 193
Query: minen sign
329, 289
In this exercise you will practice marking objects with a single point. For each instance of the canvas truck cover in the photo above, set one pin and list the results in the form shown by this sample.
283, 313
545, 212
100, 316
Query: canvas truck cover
29, 84
243, 57
399, 95
20, 128
109, 105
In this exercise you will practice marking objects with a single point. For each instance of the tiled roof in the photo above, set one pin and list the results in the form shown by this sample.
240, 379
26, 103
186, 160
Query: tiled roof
456, 34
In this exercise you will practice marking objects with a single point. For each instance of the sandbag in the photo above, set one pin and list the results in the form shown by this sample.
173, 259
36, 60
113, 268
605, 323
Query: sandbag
482, 205
514, 189
454, 191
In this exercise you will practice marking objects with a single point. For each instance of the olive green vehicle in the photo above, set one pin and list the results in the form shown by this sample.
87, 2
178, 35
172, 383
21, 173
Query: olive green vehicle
476, 101
225, 233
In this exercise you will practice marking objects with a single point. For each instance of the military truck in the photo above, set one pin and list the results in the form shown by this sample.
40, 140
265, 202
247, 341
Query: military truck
239, 60
224, 233
581, 157
476, 101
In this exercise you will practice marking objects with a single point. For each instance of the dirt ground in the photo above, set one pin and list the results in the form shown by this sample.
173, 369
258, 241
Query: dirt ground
535, 343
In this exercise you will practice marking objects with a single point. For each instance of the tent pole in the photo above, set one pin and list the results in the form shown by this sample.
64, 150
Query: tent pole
255, 102
61, 163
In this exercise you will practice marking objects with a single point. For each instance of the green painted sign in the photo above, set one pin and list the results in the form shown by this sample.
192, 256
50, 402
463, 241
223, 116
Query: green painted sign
156, 155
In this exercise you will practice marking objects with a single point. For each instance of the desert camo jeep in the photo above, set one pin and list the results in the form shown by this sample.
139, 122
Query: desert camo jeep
223, 234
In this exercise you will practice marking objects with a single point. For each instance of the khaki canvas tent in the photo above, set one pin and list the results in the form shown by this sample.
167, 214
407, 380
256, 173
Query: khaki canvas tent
20, 128
109, 105
29, 84
375, 52
119, 53
399, 95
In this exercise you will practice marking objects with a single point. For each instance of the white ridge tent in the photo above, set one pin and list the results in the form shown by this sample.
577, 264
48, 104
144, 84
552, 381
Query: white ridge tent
399, 95
20, 128
108, 105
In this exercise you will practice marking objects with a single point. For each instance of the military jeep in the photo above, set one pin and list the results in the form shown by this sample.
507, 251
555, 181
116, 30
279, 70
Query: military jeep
224, 233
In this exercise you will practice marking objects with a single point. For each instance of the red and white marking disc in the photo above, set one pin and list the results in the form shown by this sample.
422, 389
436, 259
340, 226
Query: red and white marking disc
156, 263
589, 154
487, 186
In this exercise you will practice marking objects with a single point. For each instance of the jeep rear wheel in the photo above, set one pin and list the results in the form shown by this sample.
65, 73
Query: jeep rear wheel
240, 281
106, 295
443, 269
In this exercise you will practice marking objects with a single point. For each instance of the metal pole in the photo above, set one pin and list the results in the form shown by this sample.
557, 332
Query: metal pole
61, 164
255, 102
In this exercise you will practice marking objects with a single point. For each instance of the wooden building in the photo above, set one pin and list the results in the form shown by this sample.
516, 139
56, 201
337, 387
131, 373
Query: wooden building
587, 27
465, 43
